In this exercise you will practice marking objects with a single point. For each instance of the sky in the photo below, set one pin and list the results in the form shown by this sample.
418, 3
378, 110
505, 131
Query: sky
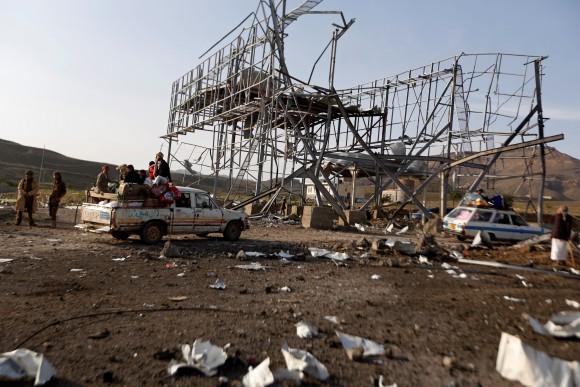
92, 79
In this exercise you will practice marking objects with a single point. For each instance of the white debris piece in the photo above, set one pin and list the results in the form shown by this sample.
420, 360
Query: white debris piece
561, 325
573, 304
403, 230
447, 266
323, 253
382, 384
202, 356
261, 376
389, 228
218, 284
358, 347
6, 260
522, 363
120, 259
360, 227
102, 230
23, 364
574, 271
251, 266
513, 299
305, 330
456, 254
424, 260
285, 289
304, 362
254, 254
332, 319
375, 277
76, 270
53, 240
81, 226
284, 254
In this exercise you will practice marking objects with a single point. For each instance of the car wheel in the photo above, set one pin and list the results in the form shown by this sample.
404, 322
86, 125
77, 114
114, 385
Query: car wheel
152, 233
233, 231
120, 235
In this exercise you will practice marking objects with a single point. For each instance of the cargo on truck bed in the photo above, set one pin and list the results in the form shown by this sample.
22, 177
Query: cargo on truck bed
193, 212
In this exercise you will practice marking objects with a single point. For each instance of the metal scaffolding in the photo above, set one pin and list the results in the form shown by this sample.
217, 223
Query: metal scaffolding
242, 117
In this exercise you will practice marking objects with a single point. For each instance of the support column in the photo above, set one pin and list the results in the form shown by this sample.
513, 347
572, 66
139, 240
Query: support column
538, 75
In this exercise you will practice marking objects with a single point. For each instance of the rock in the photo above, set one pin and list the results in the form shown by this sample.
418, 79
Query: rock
362, 243
170, 250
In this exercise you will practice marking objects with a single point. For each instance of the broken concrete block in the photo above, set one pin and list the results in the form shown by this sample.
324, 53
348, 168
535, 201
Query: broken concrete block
318, 217
354, 216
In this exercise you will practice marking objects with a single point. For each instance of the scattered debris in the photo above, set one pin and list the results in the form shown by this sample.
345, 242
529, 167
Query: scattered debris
332, 319
513, 299
522, 363
481, 238
23, 364
304, 362
382, 384
170, 251
181, 274
424, 260
76, 270
120, 259
254, 254
202, 356
456, 254
101, 230
323, 253
389, 228
360, 227
358, 348
100, 335
177, 298
218, 284
284, 254
6, 260
375, 277
561, 325
251, 266
305, 330
53, 240
573, 304
261, 376
403, 230
285, 289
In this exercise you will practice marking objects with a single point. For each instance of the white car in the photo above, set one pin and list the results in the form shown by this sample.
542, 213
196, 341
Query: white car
466, 222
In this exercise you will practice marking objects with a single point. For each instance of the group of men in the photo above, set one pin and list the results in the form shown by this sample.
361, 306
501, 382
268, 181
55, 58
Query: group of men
27, 197
158, 170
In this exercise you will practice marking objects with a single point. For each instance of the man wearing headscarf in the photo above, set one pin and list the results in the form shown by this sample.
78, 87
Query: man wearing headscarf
161, 167
561, 232
26, 199
58, 192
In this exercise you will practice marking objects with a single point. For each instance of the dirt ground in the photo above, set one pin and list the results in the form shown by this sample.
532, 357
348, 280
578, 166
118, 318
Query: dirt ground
115, 322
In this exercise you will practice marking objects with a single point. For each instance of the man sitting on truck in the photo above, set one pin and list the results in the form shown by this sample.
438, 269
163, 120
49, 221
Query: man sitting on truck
102, 185
161, 167
132, 176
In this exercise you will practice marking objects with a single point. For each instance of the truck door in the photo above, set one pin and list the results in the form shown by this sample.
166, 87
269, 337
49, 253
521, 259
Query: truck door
183, 214
208, 216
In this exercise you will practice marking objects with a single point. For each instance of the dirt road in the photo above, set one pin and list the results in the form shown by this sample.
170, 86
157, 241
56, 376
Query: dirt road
420, 313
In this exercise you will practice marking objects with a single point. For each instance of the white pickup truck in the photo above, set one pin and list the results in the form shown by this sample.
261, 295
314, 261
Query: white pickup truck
195, 212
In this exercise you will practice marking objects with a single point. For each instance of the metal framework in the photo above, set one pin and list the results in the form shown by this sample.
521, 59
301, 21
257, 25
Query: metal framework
241, 116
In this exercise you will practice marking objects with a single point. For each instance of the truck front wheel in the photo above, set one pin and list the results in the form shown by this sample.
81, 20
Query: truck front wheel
152, 233
233, 231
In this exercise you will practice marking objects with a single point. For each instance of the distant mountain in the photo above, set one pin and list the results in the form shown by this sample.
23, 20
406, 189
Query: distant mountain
16, 159
563, 175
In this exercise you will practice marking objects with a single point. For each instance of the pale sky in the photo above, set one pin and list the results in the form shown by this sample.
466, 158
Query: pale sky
92, 79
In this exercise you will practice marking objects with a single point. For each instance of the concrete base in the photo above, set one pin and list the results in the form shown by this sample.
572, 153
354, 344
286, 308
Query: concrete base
252, 209
318, 217
354, 216
294, 210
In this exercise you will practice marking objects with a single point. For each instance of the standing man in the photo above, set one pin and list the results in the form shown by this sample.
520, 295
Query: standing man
561, 235
103, 180
161, 167
26, 199
58, 192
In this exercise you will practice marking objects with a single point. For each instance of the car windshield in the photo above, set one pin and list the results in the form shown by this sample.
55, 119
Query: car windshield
460, 214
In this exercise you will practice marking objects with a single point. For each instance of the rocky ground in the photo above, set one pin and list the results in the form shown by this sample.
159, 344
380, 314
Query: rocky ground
100, 319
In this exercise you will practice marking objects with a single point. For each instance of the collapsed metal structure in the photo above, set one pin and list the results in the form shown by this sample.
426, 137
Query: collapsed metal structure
242, 116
